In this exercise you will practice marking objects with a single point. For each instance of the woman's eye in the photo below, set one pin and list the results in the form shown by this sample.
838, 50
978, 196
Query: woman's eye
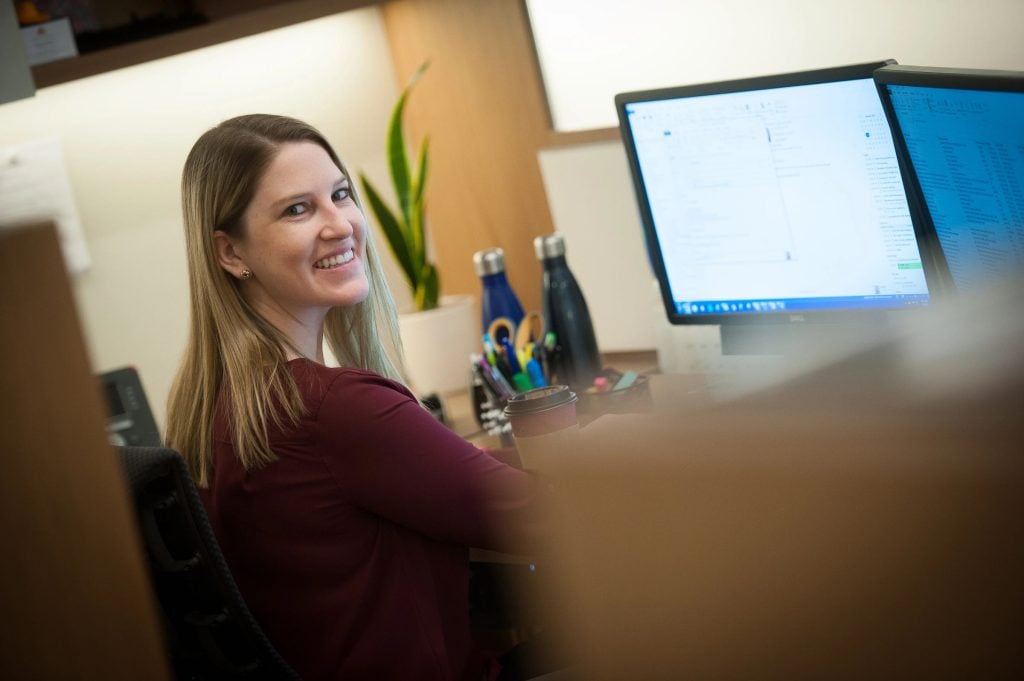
340, 194
295, 210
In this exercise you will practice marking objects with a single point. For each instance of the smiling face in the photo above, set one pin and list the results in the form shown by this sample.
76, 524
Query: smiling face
304, 240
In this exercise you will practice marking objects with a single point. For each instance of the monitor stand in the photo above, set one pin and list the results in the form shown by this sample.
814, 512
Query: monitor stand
798, 339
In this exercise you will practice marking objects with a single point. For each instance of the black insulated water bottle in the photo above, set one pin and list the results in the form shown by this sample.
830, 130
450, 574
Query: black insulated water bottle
575, 360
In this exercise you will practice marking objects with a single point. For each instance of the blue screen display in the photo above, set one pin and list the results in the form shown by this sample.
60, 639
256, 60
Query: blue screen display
967, 150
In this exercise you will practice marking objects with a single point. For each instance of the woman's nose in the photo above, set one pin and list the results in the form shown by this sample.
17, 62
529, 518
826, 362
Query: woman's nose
337, 223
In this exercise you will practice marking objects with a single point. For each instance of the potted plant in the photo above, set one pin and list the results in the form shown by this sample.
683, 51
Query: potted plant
405, 229
441, 334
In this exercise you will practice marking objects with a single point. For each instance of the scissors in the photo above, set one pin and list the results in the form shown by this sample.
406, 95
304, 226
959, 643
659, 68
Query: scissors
501, 328
531, 330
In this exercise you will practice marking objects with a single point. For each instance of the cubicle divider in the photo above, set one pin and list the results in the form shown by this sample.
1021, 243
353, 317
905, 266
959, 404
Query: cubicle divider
76, 599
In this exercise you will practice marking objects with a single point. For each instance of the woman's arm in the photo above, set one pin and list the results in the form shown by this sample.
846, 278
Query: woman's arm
507, 455
391, 457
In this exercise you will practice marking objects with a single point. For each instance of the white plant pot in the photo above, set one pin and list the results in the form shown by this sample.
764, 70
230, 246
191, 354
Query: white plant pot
438, 344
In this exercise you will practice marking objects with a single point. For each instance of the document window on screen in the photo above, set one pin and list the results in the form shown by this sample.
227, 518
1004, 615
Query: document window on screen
778, 199
967, 151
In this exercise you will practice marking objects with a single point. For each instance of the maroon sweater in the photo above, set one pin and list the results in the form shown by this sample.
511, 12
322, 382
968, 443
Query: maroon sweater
350, 550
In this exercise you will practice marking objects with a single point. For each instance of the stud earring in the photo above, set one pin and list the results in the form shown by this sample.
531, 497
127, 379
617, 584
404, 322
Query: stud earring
246, 273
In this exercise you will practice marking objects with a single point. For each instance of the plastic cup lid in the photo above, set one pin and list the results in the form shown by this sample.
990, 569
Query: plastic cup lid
540, 399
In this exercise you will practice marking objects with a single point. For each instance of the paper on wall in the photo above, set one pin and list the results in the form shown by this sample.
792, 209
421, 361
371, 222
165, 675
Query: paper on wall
34, 187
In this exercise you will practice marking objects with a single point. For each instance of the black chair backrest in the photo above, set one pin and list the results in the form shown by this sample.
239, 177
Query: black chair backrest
210, 632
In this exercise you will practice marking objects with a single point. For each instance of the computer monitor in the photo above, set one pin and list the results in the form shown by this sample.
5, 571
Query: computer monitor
773, 199
960, 133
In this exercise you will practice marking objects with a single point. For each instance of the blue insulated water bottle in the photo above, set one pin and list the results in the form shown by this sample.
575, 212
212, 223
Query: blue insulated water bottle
498, 299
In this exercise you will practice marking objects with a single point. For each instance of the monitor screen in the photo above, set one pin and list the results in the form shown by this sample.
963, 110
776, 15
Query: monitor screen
772, 196
963, 135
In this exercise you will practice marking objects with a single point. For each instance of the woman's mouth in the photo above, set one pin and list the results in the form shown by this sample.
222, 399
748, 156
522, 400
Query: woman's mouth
335, 260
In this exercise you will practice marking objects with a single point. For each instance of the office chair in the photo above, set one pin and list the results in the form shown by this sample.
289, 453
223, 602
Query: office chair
209, 630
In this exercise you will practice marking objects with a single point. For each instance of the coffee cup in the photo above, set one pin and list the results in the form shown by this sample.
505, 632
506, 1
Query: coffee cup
543, 421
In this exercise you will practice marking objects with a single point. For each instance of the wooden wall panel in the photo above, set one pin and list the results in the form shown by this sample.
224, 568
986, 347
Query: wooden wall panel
483, 106
74, 594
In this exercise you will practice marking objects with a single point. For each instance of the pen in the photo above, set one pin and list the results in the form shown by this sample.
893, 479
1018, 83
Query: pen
519, 379
525, 354
510, 355
549, 356
502, 364
495, 381
536, 373
489, 351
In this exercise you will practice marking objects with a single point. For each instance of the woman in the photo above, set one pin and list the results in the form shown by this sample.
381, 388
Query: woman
343, 508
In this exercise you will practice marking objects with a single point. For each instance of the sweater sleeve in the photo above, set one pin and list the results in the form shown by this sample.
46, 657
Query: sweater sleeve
389, 456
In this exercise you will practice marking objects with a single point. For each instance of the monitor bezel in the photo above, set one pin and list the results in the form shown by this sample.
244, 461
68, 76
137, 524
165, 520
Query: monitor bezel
942, 78
862, 71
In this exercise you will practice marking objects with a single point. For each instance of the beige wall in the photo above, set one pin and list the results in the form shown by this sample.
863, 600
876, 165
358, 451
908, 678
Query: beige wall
125, 135
591, 51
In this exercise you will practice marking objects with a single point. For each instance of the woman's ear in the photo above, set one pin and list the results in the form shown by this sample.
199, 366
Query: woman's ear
227, 255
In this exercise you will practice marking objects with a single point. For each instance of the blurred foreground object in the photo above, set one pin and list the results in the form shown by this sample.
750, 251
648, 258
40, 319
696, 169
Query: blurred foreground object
861, 521
74, 593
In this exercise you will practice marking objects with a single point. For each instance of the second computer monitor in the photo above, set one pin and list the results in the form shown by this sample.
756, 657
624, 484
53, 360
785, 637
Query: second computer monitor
774, 198
961, 133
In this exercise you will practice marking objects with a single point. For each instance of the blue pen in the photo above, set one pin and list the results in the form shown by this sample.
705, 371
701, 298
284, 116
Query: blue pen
501, 361
510, 354
519, 379
536, 374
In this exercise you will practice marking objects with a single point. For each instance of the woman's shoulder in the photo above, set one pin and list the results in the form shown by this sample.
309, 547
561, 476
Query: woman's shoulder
319, 383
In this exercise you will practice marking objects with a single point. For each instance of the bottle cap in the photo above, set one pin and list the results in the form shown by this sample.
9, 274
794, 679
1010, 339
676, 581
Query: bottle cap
489, 261
549, 246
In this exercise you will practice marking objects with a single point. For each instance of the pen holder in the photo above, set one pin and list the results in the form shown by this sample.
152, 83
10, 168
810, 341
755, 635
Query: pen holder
489, 401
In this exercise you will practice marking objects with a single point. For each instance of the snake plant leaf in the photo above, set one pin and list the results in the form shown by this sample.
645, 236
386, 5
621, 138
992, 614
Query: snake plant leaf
420, 182
398, 162
389, 224
417, 208
405, 227
427, 291
417, 253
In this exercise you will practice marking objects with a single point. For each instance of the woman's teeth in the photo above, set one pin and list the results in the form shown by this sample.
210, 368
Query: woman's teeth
334, 260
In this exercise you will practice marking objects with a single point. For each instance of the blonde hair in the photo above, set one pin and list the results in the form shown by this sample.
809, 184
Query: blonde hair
234, 357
